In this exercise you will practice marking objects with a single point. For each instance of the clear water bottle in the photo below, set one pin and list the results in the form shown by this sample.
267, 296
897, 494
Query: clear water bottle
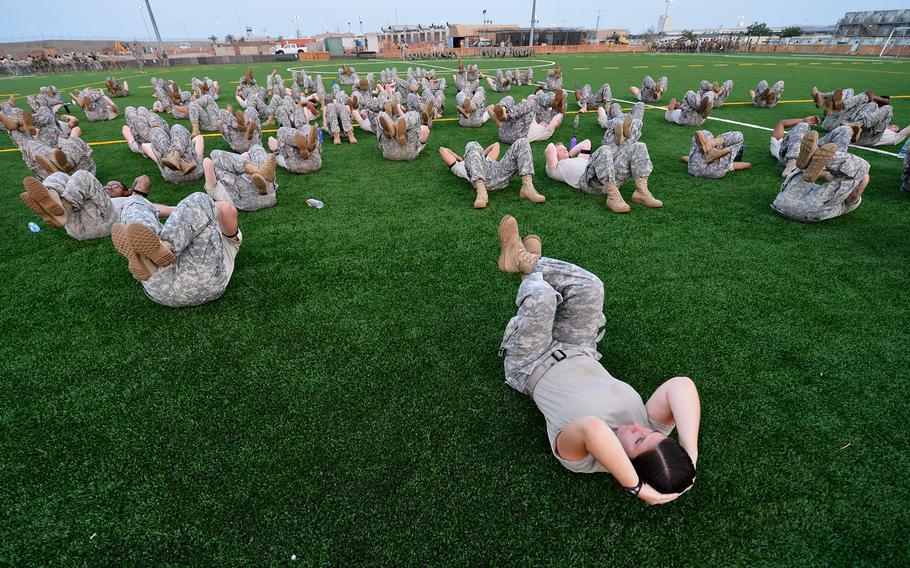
576, 121
315, 203
33, 227
319, 132
904, 148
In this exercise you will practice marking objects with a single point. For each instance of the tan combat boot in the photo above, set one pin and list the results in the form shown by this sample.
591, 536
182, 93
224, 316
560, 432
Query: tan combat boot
172, 160
45, 203
643, 196
302, 146
528, 191
401, 131
716, 154
789, 168
615, 202
513, 256
705, 143
819, 160
806, 148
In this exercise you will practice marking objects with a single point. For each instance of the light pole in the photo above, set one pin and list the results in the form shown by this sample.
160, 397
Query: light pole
533, 19
597, 25
185, 33
296, 20
157, 33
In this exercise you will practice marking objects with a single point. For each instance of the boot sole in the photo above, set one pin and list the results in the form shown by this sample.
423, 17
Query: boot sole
819, 160
807, 147
702, 140
42, 196
141, 269
401, 133
500, 262
46, 164
533, 244
260, 184
30, 202
146, 243
170, 164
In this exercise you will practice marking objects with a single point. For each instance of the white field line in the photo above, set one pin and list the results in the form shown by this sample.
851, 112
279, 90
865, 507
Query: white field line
759, 127
403, 65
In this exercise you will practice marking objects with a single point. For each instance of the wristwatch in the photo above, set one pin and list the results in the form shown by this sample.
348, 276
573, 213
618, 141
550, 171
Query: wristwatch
633, 491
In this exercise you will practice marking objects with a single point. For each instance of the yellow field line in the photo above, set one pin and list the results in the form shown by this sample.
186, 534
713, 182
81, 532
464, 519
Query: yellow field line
794, 64
581, 69
836, 63
746, 64
640, 67
769, 64
692, 65
721, 65
812, 63
667, 66
611, 67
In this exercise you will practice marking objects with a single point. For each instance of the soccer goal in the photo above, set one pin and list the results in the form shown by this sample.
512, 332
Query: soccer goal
897, 44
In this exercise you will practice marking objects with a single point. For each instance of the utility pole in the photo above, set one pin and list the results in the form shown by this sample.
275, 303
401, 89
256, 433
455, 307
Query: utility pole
597, 26
164, 59
533, 19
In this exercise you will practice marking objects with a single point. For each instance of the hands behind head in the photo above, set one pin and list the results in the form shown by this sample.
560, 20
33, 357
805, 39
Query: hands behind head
650, 495
812, 120
142, 184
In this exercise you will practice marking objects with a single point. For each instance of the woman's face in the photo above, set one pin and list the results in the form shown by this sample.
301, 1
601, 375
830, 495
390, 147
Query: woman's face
637, 439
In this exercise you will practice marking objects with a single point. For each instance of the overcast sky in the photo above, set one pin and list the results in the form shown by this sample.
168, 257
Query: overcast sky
202, 18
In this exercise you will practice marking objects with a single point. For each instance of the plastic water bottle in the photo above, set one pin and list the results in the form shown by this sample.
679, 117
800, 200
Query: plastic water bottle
904, 148
572, 142
315, 203
319, 132
33, 227
576, 121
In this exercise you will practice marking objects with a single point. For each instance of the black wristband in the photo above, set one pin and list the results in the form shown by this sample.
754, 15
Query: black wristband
633, 491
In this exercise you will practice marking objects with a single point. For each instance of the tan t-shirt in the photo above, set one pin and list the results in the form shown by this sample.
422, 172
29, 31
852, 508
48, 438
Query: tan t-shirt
580, 386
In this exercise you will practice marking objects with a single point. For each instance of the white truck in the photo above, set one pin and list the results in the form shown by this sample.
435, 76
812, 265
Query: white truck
281, 49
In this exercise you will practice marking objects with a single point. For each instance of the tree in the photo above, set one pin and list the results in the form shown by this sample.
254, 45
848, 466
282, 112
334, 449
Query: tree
213, 38
792, 31
689, 35
758, 29
229, 38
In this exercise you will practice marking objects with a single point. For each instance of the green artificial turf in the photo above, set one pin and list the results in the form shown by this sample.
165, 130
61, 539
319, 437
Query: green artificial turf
344, 402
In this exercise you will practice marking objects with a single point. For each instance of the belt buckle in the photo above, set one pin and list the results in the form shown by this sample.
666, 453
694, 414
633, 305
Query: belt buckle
559, 355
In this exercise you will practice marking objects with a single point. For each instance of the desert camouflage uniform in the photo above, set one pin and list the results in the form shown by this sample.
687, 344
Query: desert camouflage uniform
257, 101
78, 154
521, 116
810, 202
560, 306
698, 167
90, 213
199, 275
100, 110
204, 112
303, 82
553, 82
140, 122
235, 137
290, 159
274, 84
392, 150
49, 128
777, 90
499, 85
244, 88
647, 93
337, 118
790, 143
347, 78
689, 107
719, 97
602, 98
497, 174
164, 141
118, 91
229, 170
630, 161
435, 89
478, 104
609, 139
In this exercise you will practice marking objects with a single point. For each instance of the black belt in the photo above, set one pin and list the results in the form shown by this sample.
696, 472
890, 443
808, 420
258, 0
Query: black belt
555, 357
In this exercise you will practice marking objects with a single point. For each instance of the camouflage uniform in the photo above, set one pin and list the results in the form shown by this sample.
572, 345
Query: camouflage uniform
118, 91
204, 112
235, 137
553, 82
497, 174
876, 119
303, 83
777, 90
256, 100
100, 110
391, 149
560, 306
290, 114
609, 139
810, 202
49, 128
337, 118
630, 161
200, 273
274, 84
647, 93
793, 138
244, 88
140, 122
161, 94
719, 97
78, 154
499, 85
689, 108
290, 159
347, 78
478, 104
230, 172
698, 167
434, 89
851, 105
544, 111
601, 98
165, 141
521, 116
90, 213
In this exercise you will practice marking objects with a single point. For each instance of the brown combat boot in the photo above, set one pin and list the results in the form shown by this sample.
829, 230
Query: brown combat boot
513, 256
313, 138
195, 131
559, 101
350, 135
260, 184
819, 161
9, 122
705, 143
705, 106
498, 114
480, 202
336, 138
59, 160
615, 202
528, 191
250, 129
140, 267
642, 195
388, 127
45, 203
716, 154
172, 160
789, 168
818, 98
28, 122
302, 147
46, 164
857, 128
